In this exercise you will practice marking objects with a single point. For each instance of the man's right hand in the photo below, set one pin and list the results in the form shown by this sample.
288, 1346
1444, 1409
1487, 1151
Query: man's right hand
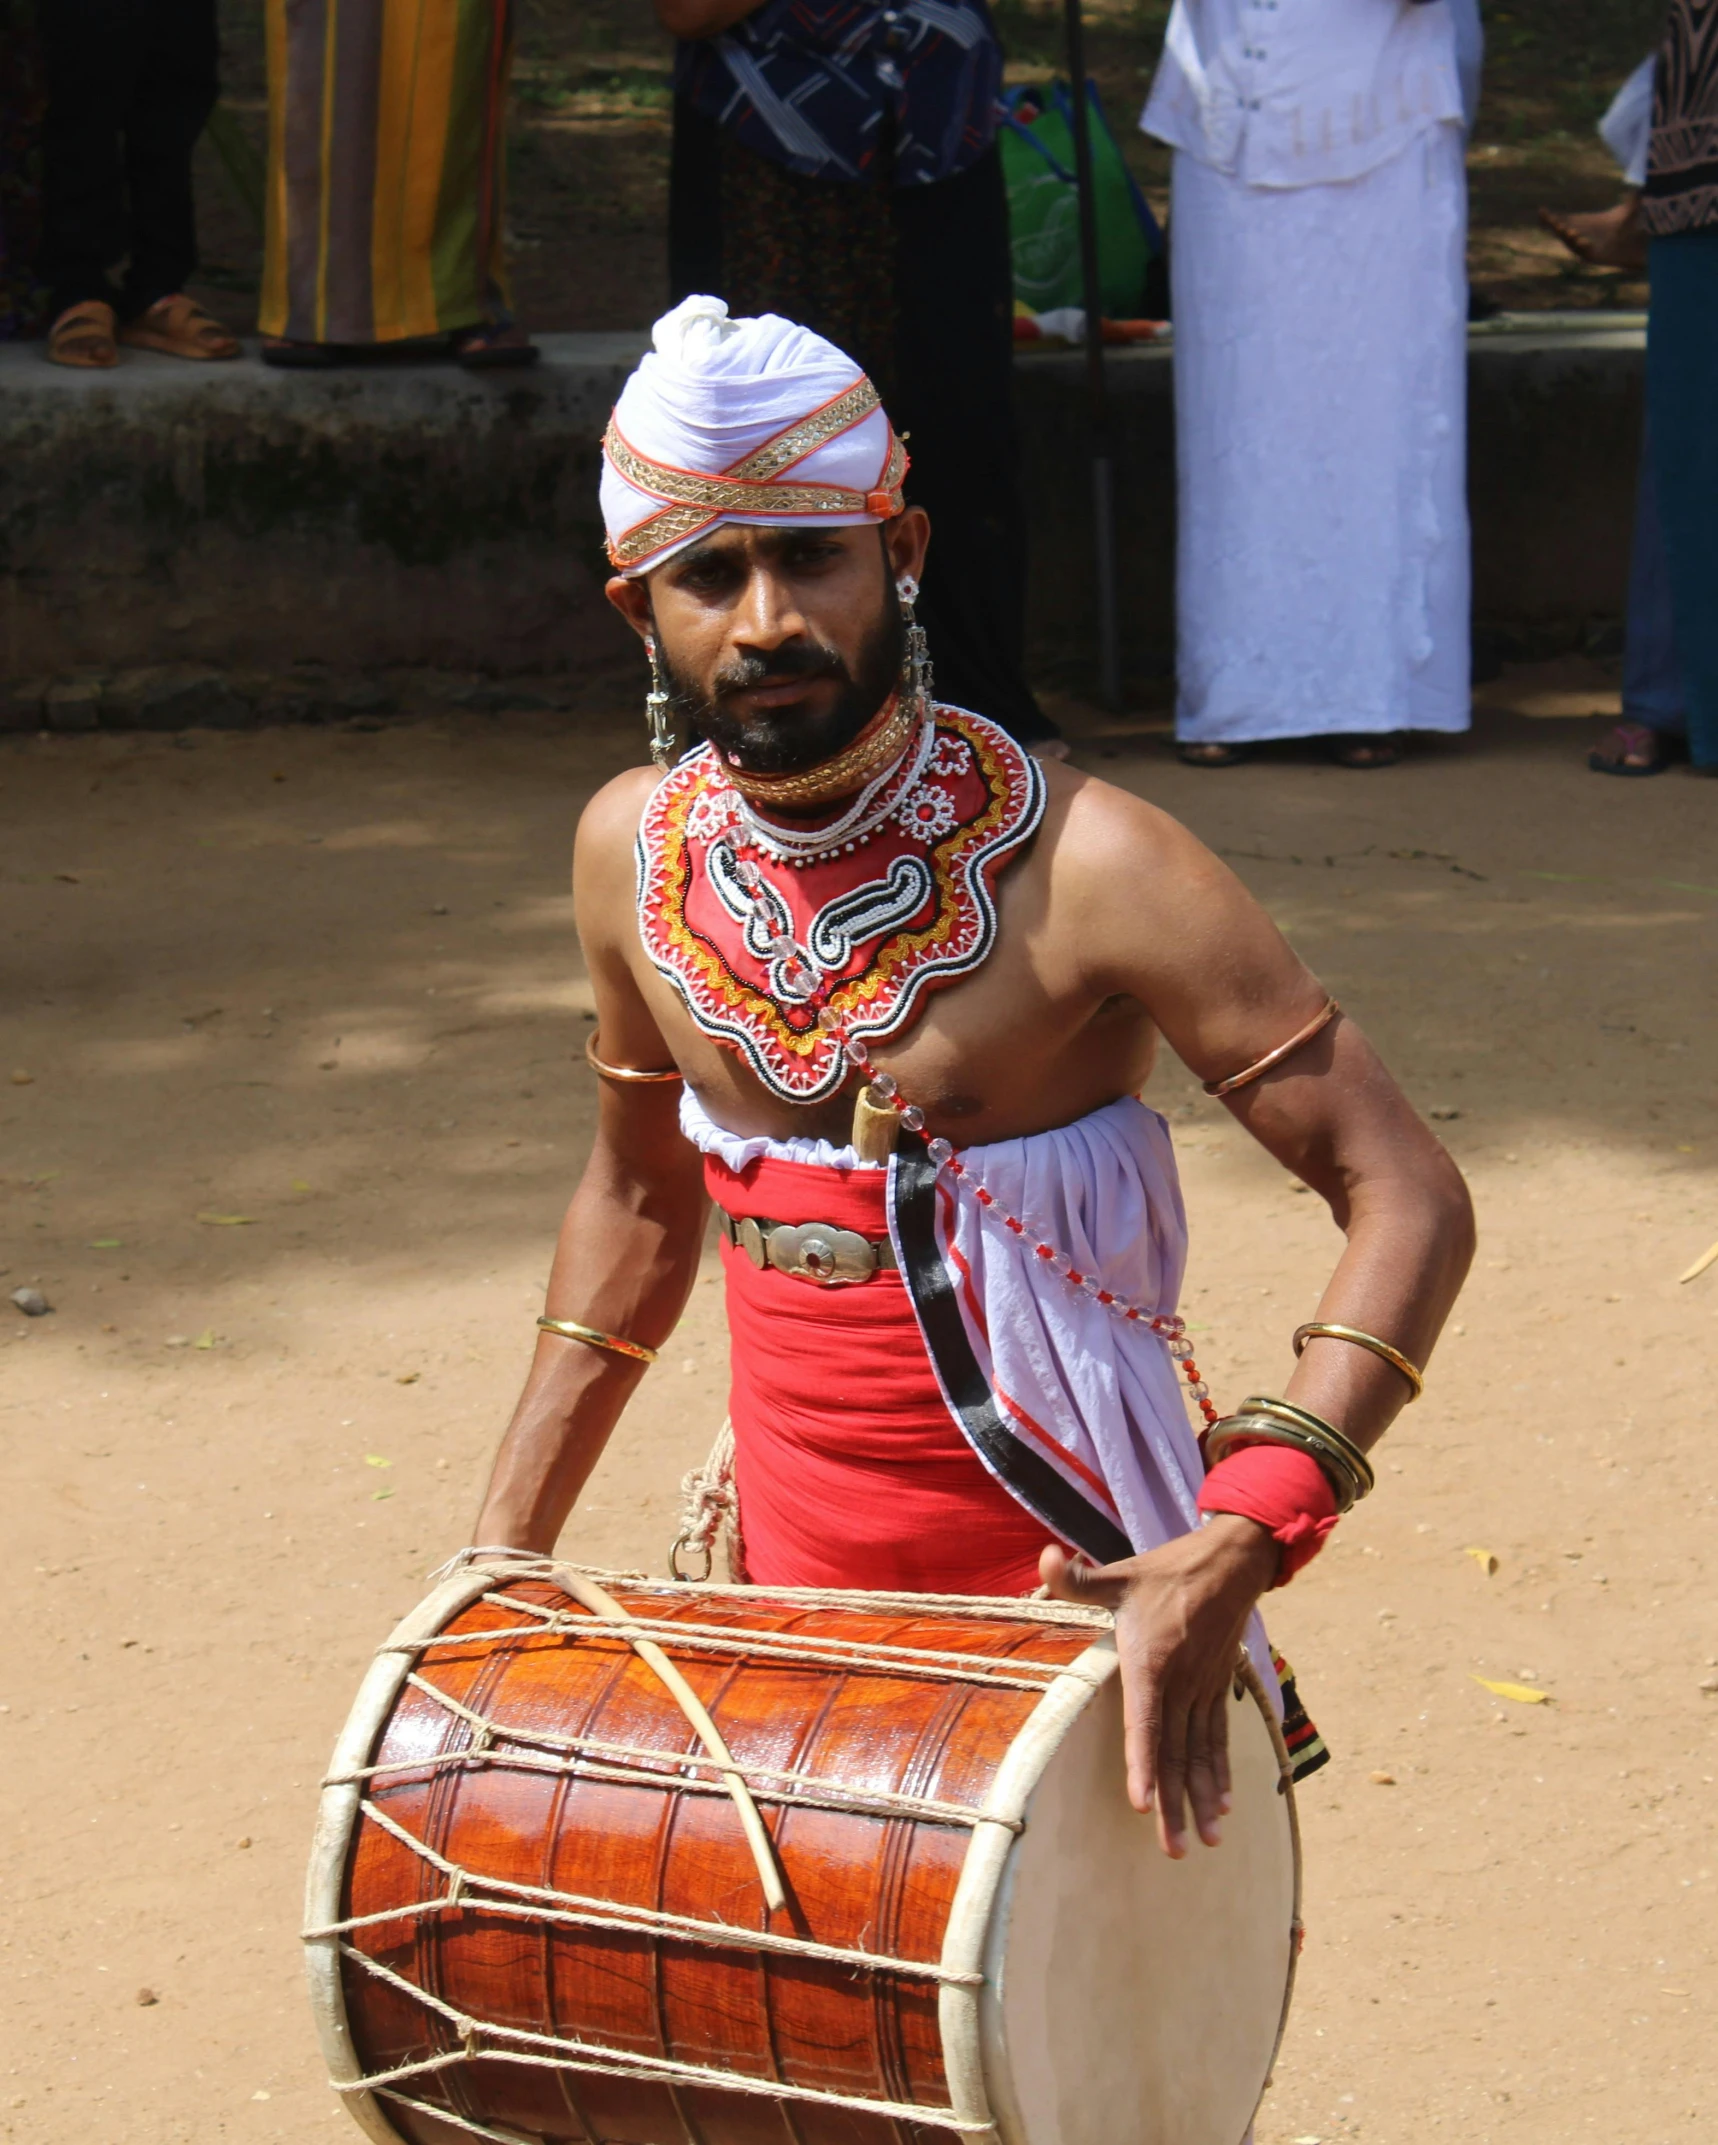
1180, 1612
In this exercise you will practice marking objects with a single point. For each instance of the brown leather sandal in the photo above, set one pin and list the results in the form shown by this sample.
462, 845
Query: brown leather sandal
83, 336
179, 327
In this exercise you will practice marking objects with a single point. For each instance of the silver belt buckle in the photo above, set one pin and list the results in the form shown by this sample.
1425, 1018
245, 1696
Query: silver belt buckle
817, 1252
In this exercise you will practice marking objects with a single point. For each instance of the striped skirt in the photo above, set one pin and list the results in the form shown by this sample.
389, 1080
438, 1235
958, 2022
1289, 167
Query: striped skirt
385, 168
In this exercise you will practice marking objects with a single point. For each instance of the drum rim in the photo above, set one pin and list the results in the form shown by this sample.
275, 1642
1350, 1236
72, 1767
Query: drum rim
336, 1819
971, 2017
962, 2010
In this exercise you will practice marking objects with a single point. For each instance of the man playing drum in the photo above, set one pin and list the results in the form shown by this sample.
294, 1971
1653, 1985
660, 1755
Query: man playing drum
884, 988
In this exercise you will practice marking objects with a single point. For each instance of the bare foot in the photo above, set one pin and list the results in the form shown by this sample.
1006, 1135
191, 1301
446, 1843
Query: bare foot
1603, 238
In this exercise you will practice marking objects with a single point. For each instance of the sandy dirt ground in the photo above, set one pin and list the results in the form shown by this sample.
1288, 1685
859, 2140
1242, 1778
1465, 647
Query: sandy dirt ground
291, 1095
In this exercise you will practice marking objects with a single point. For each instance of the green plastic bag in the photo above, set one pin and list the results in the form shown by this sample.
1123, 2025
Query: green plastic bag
1037, 143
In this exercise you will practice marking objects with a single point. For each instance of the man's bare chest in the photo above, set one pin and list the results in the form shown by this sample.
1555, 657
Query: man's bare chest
1003, 1052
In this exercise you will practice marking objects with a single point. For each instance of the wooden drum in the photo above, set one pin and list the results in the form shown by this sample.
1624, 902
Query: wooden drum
539, 1904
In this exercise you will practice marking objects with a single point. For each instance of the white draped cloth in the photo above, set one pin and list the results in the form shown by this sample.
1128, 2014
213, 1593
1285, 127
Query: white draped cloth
1320, 301
1626, 128
1099, 1398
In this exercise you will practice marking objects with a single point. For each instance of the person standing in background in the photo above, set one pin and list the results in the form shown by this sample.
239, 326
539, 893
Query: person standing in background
835, 163
130, 84
386, 148
1319, 275
1679, 213
22, 101
1654, 727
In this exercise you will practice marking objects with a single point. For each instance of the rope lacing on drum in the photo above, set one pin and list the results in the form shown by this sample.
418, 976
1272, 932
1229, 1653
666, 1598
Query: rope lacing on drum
562, 2053
638, 1764
537, 1902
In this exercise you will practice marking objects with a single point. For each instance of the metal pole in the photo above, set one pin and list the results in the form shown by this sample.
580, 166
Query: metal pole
1097, 396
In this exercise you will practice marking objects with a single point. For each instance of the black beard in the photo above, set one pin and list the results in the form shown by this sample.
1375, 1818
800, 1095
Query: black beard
787, 741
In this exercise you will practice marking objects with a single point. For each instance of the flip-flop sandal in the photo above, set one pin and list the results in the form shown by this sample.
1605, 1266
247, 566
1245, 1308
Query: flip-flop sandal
83, 336
491, 346
1632, 750
1210, 754
179, 327
1364, 750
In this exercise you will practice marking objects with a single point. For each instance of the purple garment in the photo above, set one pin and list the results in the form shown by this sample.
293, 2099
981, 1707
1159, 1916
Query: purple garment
849, 90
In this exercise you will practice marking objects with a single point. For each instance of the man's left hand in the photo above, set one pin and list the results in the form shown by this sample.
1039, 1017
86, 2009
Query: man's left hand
1180, 1612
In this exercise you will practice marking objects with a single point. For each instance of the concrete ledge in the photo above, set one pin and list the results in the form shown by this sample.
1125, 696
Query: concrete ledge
412, 514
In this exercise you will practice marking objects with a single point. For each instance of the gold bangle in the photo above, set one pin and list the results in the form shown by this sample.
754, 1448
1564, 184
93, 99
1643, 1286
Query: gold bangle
1244, 1431
570, 1330
625, 1074
1302, 1418
1258, 1069
1382, 1349
1261, 1420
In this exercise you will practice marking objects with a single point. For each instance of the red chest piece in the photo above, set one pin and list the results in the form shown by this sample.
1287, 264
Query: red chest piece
762, 931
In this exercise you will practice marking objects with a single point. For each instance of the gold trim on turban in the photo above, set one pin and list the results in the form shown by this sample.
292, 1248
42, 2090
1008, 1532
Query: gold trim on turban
693, 501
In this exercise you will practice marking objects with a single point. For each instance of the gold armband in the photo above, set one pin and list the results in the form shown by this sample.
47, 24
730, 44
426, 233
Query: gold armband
1381, 1349
626, 1075
569, 1329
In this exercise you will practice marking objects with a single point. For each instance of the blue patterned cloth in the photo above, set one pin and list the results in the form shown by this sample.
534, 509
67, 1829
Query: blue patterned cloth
842, 89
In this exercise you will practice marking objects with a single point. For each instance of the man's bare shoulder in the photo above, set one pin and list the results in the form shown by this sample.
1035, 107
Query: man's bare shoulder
609, 823
1138, 904
1098, 831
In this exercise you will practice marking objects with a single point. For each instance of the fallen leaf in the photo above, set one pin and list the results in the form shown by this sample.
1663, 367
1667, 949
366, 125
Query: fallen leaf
1523, 1693
104, 1243
146, 1997
1483, 1558
376, 1496
208, 1338
21, 1078
245, 1842
1706, 1258
70, 877
374, 1459
408, 1377
227, 1221
300, 1184
1383, 1779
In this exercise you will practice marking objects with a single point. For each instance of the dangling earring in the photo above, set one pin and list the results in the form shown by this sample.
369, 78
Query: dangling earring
656, 706
918, 663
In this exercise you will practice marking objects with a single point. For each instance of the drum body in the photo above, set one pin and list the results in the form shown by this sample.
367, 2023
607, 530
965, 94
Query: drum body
534, 1912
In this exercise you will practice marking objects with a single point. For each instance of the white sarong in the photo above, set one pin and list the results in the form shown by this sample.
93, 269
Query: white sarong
1320, 406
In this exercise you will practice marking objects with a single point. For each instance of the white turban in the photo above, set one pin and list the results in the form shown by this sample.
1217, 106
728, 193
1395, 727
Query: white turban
754, 421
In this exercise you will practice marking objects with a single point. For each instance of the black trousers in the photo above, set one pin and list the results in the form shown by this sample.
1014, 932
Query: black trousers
947, 376
131, 84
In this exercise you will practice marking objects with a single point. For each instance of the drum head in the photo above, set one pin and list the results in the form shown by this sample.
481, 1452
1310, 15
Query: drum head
1133, 2000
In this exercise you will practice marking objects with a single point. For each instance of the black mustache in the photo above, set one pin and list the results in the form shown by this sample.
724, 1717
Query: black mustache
781, 667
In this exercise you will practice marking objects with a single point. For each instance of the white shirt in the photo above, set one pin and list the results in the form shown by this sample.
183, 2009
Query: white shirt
1302, 92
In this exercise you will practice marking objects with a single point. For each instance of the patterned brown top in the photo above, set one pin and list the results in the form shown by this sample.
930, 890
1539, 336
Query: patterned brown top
1682, 164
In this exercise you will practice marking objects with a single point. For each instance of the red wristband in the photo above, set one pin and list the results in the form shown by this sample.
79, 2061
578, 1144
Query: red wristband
1283, 1490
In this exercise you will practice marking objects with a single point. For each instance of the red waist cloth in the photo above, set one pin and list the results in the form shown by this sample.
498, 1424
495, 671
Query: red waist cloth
849, 1467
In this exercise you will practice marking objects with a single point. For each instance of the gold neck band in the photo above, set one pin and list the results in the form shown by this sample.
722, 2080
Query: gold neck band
883, 740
